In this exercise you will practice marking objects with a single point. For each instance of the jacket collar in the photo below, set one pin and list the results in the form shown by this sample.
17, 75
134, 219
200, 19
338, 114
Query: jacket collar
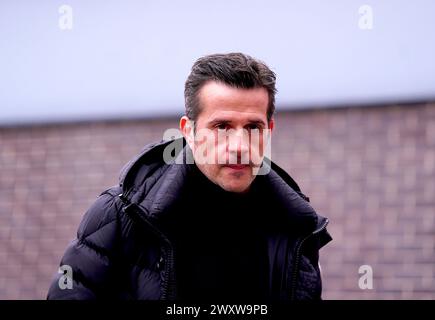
154, 185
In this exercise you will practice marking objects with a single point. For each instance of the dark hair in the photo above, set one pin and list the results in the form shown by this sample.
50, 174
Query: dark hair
234, 69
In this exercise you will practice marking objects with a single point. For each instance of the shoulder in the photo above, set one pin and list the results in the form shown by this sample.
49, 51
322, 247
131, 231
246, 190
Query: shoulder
99, 223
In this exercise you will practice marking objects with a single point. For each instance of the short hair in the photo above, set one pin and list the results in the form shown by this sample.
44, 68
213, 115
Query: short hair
234, 69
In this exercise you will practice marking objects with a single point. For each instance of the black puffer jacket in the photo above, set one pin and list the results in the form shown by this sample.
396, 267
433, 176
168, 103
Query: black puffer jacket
120, 252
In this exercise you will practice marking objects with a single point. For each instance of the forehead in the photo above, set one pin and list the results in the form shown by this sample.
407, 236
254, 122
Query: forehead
218, 98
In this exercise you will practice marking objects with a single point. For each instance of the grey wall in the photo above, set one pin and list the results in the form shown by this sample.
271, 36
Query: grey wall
131, 58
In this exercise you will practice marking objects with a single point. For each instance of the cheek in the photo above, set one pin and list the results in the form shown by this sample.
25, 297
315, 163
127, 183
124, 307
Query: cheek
221, 147
214, 171
256, 151
262, 144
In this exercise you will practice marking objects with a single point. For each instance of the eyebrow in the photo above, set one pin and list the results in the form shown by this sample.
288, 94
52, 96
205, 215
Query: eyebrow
226, 121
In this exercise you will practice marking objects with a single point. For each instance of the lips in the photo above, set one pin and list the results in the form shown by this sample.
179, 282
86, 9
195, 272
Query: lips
237, 166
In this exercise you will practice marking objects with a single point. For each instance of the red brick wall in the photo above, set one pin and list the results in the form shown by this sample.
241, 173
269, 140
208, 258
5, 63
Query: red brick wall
370, 170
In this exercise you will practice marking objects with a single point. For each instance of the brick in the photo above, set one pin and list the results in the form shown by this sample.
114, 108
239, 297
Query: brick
371, 171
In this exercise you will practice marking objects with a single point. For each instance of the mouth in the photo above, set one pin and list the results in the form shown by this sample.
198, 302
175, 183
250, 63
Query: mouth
237, 166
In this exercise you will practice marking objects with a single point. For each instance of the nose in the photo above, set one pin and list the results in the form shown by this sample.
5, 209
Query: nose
238, 146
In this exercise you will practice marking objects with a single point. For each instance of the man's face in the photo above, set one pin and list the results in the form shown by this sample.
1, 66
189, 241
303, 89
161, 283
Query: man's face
228, 142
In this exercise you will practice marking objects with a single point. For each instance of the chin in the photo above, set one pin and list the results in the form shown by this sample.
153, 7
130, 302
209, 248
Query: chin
236, 188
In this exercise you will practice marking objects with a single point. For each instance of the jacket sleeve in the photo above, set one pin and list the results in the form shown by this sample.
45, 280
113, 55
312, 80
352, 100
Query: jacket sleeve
310, 276
86, 267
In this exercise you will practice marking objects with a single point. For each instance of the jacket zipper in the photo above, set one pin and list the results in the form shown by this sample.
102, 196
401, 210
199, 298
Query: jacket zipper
298, 257
169, 288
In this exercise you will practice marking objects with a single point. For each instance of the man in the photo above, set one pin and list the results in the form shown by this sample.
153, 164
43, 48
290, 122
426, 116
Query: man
229, 225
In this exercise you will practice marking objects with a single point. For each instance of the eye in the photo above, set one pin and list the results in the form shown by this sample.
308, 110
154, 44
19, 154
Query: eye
253, 126
222, 126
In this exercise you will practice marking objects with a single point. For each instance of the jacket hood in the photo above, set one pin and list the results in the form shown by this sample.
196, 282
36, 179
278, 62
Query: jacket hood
154, 185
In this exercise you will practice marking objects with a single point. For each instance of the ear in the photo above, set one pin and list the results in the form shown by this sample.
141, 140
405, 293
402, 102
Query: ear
270, 129
187, 130
271, 124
